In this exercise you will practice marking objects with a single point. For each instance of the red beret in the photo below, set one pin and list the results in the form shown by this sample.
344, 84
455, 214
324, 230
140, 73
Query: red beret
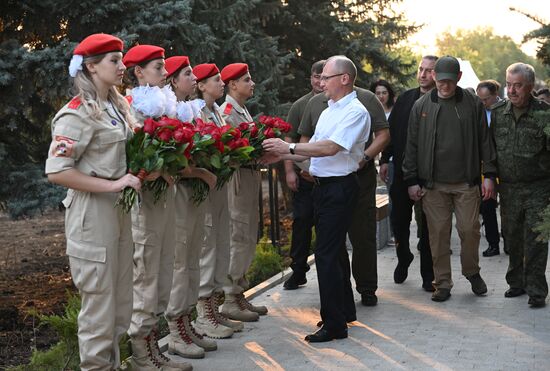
99, 43
205, 70
142, 53
233, 71
174, 64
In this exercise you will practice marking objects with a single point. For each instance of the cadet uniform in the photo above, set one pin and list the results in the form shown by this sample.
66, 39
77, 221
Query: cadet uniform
362, 232
214, 258
99, 241
153, 230
243, 190
189, 224
523, 161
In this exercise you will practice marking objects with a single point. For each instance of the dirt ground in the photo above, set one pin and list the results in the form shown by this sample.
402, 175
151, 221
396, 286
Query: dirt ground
34, 274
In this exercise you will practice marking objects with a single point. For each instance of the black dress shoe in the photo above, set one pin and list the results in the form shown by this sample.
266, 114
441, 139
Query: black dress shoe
401, 271
537, 302
512, 292
322, 335
369, 299
491, 251
294, 281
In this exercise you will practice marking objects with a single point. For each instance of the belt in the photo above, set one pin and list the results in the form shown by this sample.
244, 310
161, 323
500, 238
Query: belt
331, 179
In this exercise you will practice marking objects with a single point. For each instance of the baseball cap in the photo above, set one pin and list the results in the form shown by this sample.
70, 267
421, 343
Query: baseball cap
447, 68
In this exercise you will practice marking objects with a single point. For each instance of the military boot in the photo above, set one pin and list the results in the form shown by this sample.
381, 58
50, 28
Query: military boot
260, 309
217, 299
234, 308
180, 365
206, 344
206, 322
179, 341
144, 359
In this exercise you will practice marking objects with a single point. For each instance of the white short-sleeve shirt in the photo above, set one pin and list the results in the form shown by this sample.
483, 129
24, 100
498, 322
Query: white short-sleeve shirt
345, 122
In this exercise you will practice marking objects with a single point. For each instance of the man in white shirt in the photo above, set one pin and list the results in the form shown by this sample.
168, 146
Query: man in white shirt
336, 149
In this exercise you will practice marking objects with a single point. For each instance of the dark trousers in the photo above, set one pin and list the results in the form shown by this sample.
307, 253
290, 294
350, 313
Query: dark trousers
302, 206
362, 232
333, 202
488, 210
400, 217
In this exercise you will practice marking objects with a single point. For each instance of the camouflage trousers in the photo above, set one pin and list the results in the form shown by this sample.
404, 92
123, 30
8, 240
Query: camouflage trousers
520, 208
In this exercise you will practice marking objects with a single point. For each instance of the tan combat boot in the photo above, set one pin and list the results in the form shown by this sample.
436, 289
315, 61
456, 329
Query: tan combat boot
179, 341
260, 309
143, 356
217, 300
207, 323
206, 344
165, 361
234, 309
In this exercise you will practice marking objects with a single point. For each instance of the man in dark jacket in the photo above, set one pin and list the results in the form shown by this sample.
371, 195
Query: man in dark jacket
402, 205
447, 140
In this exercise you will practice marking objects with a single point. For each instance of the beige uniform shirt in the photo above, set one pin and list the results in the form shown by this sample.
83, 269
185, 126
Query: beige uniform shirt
233, 113
96, 147
212, 116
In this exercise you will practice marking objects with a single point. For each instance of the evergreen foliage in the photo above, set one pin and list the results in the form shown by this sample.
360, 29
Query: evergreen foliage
541, 34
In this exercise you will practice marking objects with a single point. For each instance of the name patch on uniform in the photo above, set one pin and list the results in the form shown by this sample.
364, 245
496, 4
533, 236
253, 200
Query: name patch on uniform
228, 109
75, 103
63, 146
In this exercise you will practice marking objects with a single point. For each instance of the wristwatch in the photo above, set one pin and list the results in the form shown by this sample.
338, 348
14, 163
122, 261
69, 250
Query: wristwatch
291, 148
367, 158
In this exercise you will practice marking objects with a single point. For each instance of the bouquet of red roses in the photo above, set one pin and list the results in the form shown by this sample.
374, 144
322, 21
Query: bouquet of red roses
267, 127
220, 150
164, 145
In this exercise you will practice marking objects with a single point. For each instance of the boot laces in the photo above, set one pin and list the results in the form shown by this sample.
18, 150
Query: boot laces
151, 348
192, 328
182, 331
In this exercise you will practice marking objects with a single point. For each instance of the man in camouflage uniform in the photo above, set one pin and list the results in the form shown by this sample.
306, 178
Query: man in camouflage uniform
523, 160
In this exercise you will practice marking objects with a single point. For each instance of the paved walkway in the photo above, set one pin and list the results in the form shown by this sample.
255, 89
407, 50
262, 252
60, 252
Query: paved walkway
405, 331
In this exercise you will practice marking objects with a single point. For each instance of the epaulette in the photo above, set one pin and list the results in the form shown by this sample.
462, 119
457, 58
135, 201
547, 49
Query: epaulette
498, 104
130, 99
227, 109
75, 103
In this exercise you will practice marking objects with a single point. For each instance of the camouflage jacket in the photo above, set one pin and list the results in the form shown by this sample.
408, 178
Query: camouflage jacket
523, 145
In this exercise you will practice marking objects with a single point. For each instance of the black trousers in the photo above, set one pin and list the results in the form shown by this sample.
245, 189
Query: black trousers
400, 217
332, 204
362, 233
300, 246
488, 211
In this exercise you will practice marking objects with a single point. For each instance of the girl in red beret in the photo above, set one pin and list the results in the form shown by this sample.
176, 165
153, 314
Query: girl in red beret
87, 155
183, 339
214, 262
153, 224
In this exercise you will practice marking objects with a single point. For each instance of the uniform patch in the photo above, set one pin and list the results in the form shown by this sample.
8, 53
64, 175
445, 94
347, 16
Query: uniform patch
228, 109
130, 99
63, 146
75, 103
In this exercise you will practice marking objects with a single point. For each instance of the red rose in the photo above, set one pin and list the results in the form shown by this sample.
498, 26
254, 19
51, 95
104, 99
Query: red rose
253, 131
167, 121
165, 134
269, 133
149, 126
233, 144
183, 135
243, 126
243, 142
219, 145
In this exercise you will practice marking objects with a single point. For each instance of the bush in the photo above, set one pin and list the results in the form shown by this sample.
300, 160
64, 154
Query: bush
267, 262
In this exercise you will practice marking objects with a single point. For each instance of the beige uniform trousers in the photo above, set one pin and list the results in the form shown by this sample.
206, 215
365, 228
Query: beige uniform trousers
99, 246
214, 261
243, 207
438, 204
153, 230
189, 240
